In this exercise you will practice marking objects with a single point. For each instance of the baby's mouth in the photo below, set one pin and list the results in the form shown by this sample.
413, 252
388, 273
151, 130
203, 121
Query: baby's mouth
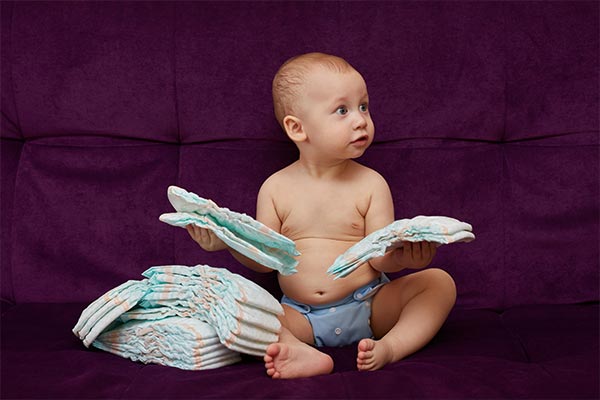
361, 140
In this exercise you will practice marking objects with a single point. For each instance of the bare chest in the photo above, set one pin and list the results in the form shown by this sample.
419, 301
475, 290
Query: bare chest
327, 214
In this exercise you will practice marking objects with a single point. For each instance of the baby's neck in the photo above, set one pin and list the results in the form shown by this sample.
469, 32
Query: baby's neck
323, 169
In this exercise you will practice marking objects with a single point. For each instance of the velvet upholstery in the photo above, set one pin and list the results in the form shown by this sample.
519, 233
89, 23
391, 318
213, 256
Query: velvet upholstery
485, 111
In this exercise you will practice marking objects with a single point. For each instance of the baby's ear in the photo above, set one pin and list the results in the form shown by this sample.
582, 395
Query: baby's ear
293, 128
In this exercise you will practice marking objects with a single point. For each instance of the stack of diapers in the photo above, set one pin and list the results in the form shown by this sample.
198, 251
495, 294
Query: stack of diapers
184, 343
243, 314
440, 230
241, 232
187, 317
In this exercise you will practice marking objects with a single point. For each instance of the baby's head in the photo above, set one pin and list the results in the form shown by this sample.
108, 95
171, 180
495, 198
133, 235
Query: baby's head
290, 80
321, 102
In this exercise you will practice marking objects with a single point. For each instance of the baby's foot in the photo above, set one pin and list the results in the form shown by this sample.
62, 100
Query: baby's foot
373, 355
296, 360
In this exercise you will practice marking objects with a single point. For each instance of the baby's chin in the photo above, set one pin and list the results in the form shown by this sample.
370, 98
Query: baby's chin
359, 152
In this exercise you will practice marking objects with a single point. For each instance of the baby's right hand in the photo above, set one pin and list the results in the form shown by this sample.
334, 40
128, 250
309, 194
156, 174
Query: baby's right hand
205, 238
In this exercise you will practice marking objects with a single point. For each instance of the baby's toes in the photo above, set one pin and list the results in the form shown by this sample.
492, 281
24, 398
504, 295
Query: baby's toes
366, 346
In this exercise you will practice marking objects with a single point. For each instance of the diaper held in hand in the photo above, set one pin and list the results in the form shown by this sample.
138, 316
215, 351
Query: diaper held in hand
436, 229
239, 231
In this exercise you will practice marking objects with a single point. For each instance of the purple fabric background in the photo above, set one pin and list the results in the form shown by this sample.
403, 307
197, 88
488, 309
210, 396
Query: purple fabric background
487, 112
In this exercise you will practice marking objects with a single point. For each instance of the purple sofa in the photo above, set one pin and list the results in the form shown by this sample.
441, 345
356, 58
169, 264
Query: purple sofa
486, 112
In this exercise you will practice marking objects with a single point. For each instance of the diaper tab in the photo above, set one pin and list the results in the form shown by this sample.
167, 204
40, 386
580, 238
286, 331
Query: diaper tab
368, 291
300, 307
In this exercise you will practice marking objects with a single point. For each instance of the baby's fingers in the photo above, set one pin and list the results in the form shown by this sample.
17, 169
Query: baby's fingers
416, 250
412, 250
424, 250
203, 235
432, 250
190, 229
195, 232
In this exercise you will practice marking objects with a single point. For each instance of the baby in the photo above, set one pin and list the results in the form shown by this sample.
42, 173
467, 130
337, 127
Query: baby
326, 202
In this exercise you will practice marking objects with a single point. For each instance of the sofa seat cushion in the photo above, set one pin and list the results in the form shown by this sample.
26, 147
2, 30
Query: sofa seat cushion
529, 351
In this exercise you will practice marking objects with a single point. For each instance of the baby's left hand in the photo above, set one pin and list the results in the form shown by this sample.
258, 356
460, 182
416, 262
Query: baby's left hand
415, 255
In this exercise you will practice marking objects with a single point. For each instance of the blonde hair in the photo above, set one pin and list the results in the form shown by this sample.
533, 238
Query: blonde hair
291, 77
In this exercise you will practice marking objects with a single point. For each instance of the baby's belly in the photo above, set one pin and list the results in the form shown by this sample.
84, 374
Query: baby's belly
311, 284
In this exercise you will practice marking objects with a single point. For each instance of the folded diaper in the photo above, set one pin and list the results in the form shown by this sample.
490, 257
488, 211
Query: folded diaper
215, 305
102, 312
184, 343
440, 230
242, 233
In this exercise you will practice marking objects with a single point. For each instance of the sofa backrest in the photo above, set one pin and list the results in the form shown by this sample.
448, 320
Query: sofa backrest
486, 112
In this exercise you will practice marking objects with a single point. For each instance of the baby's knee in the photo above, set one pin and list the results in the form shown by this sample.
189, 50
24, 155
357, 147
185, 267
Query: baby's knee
443, 283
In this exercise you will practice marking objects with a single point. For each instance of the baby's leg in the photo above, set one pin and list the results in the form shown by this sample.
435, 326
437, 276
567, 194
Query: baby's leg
406, 314
292, 357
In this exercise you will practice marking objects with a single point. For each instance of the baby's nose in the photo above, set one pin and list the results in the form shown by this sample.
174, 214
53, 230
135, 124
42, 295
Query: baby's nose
360, 121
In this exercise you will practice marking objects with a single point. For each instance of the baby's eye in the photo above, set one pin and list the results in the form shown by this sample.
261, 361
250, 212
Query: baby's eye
364, 107
342, 110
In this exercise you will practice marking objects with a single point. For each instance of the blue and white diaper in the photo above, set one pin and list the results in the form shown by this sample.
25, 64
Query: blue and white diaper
436, 229
343, 322
240, 231
196, 318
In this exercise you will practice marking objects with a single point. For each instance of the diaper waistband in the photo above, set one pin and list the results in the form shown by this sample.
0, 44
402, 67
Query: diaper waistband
360, 294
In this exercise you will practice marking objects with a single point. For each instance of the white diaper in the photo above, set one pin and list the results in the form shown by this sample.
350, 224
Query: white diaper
176, 304
440, 230
241, 232
184, 343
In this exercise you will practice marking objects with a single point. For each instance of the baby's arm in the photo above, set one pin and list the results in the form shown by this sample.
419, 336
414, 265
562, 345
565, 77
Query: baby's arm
381, 214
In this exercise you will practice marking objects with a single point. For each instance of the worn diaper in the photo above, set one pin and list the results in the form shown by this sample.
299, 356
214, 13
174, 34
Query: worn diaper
175, 304
440, 230
241, 232
185, 343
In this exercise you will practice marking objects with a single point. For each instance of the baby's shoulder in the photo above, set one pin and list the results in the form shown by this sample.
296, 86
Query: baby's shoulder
278, 181
366, 175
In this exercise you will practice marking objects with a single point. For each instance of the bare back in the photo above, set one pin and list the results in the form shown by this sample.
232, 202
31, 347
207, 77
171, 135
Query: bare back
324, 216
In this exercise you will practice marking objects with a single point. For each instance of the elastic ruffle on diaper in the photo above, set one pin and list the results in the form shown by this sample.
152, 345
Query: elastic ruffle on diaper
241, 232
179, 307
185, 343
440, 230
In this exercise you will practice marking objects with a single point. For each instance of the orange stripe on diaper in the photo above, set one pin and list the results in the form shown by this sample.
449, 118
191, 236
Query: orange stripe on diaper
164, 295
229, 340
195, 350
238, 318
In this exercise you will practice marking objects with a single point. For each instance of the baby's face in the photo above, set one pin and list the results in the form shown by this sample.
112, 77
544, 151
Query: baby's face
335, 114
